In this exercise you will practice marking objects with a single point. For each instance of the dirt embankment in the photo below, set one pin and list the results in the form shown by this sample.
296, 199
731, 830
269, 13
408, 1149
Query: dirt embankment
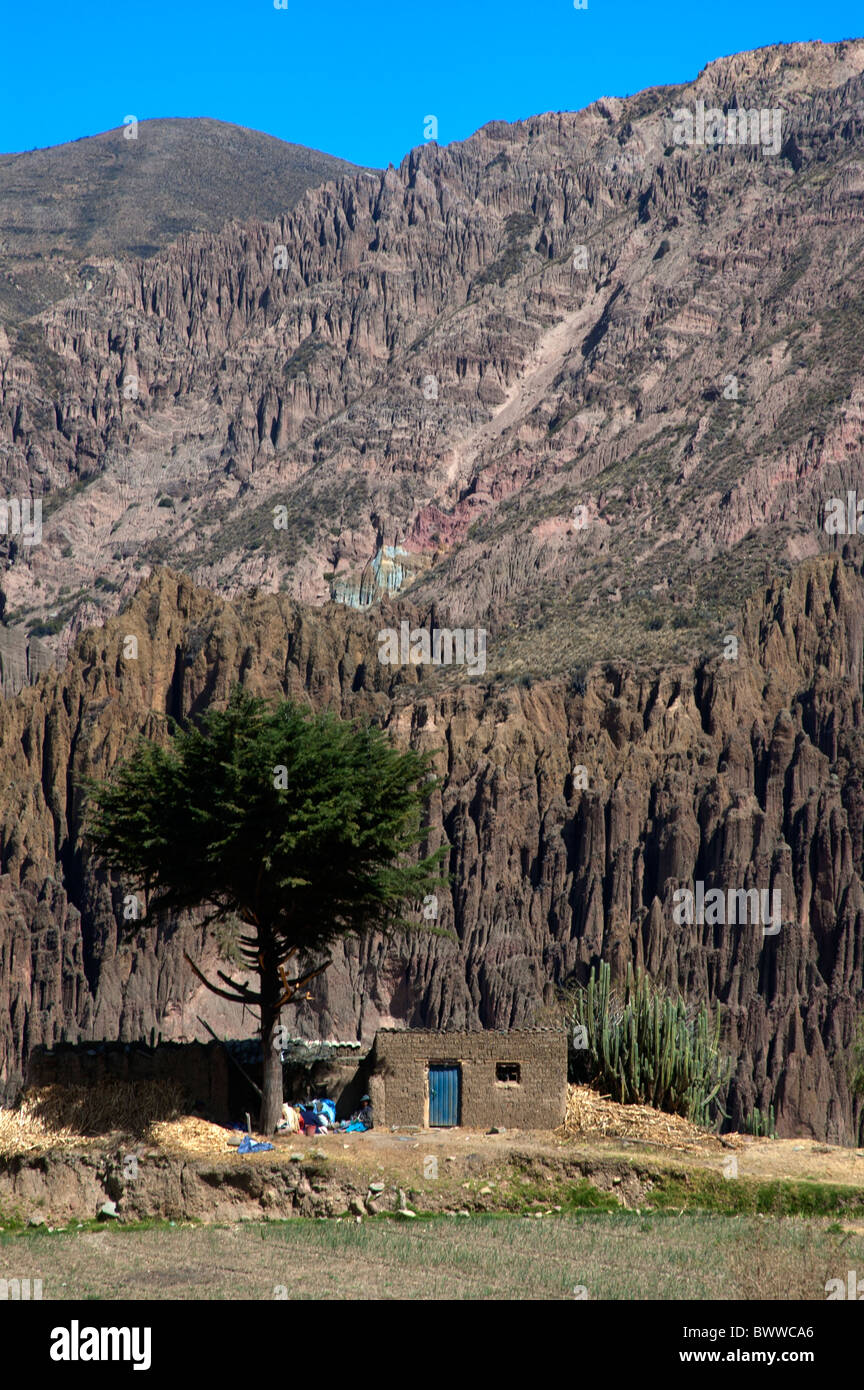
312, 1180
67, 1152
364, 1175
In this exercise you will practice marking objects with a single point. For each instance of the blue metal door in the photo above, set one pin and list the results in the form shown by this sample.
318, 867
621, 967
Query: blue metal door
443, 1096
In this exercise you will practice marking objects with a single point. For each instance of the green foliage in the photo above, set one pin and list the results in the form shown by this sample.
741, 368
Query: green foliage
582, 1195
709, 1192
299, 824
227, 936
645, 1049
45, 629
517, 226
762, 1126
301, 360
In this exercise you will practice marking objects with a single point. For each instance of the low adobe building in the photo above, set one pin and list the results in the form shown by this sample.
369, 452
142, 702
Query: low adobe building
416, 1077
514, 1079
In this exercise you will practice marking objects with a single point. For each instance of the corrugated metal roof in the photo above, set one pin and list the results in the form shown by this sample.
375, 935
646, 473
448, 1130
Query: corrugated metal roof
295, 1049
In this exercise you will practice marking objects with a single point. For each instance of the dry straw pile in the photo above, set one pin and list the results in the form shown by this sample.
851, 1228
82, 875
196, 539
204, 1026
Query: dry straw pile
189, 1135
152, 1112
591, 1116
51, 1117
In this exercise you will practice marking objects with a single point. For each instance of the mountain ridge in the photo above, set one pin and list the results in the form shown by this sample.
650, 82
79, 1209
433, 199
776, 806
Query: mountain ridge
568, 383
107, 195
311, 386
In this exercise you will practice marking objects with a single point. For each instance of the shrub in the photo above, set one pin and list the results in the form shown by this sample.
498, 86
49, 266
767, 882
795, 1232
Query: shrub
45, 629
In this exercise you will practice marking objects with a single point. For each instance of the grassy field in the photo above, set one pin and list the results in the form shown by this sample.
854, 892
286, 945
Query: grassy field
611, 1255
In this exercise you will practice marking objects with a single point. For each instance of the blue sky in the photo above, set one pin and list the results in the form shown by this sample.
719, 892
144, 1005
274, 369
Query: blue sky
357, 79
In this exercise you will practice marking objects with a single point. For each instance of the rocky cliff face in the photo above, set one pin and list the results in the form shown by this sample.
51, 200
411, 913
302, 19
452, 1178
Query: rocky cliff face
571, 364
572, 383
572, 816
67, 212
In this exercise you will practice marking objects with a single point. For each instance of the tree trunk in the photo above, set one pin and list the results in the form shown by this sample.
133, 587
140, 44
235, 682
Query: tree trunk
271, 1069
271, 1061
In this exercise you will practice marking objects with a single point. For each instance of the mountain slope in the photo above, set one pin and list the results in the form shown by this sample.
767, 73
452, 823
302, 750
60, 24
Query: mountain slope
109, 196
570, 382
417, 359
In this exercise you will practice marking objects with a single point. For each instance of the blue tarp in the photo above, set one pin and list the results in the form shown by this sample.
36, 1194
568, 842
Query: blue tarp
249, 1146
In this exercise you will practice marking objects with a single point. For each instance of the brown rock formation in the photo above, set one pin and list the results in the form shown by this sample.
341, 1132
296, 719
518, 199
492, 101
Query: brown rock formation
416, 357
740, 773
600, 388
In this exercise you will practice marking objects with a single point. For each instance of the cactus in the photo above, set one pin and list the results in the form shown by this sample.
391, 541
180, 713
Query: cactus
762, 1126
645, 1049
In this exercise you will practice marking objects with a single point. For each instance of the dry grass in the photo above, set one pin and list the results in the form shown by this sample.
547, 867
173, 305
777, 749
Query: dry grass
191, 1136
590, 1116
613, 1255
51, 1117
58, 1117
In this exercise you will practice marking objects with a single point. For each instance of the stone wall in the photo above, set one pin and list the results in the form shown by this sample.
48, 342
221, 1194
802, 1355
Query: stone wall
399, 1084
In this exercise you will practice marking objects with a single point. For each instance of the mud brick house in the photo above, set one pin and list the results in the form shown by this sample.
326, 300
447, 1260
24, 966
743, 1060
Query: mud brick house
415, 1076
213, 1084
513, 1079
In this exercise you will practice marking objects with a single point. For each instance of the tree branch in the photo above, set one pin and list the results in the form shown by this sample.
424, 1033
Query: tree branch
231, 1058
250, 995
292, 986
223, 993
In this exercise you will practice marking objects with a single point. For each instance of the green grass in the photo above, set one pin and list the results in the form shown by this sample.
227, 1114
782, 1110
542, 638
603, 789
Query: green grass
709, 1192
13, 1228
613, 1255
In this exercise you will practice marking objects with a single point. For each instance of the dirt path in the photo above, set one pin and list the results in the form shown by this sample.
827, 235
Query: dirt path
403, 1156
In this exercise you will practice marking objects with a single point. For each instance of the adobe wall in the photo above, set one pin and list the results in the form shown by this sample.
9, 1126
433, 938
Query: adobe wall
213, 1084
399, 1081
202, 1068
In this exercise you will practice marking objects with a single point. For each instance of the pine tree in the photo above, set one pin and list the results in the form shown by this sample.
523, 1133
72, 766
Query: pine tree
300, 827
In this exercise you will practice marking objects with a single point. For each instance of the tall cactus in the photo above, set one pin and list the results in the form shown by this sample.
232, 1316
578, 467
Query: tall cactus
645, 1049
762, 1126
